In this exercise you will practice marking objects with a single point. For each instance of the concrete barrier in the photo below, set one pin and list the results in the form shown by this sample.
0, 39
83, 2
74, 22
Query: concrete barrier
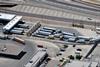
33, 29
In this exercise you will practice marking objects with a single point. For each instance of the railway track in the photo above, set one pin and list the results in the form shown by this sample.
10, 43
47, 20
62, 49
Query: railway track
67, 20
87, 3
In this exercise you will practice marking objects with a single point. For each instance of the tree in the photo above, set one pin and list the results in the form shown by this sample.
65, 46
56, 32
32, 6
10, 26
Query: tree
78, 57
71, 57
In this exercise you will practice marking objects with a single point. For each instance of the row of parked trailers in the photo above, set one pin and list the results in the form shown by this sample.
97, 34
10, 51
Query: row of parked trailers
71, 37
14, 25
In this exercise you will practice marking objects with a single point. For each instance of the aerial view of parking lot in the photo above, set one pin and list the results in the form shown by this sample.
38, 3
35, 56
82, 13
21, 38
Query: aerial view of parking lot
49, 33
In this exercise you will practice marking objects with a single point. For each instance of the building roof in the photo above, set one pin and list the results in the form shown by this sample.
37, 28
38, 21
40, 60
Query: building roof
36, 58
6, 16
12, 23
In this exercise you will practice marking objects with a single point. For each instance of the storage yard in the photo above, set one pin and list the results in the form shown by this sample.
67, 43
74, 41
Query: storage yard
49, 33
15, 26
54, 41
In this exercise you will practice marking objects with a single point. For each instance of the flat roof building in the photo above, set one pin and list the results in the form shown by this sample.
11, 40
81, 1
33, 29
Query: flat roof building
11, 24
7, 16
37, 59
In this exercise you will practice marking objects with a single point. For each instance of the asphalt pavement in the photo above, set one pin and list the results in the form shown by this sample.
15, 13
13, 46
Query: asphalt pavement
30, 50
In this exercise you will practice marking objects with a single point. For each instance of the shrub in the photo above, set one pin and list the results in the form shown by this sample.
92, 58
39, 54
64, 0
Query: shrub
78, 57
71, 57
65, 46
74, 45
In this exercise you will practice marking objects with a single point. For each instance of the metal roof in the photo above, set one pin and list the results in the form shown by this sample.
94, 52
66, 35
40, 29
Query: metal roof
12, 23
39, 55
6, 16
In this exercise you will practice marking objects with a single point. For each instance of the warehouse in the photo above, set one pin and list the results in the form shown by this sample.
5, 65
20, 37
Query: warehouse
37, 59
5, 18
12, 24
13, 50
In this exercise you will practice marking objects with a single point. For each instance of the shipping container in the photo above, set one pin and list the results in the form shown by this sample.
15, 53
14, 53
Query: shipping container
23, 26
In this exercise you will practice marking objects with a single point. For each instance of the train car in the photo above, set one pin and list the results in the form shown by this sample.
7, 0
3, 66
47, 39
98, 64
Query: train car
67, 36
58, 35
37, 35
17, 39
23, 26
67, 33
72, 39
49, 28
84, 37
81, 41
58, 31
45, 30
18, 29
44, 33
16, 32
